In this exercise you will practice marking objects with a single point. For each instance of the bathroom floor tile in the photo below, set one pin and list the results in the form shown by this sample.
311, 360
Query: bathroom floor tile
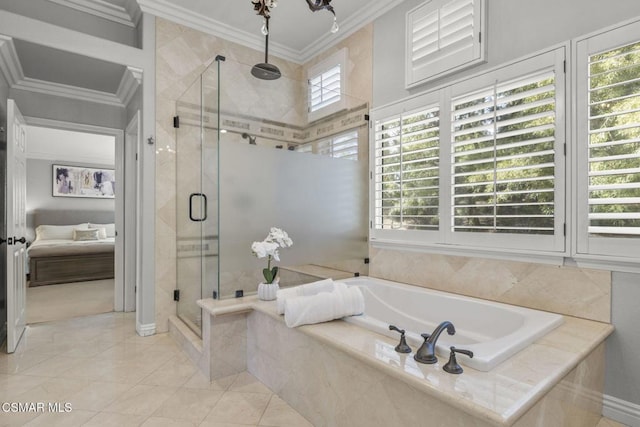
192, 405
247, 383
141, 400
280, 414
242, 408
112, 419
112, 377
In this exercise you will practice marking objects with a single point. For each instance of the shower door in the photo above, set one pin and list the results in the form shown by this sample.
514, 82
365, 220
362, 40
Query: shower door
196, 165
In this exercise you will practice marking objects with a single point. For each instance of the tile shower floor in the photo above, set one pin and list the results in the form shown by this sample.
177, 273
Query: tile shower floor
108, 376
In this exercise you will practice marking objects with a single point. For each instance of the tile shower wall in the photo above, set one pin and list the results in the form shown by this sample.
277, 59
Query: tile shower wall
567, 290
182, 54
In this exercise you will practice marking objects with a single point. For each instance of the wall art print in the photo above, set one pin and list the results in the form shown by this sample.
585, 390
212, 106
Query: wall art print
79, 181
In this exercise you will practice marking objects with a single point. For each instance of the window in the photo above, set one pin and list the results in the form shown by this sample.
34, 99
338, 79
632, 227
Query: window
343, 146
608, 143
443, 36
406, 159
327, 86
503, 149
482, 162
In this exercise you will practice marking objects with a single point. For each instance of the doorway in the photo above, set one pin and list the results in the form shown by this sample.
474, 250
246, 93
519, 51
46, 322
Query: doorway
62, 197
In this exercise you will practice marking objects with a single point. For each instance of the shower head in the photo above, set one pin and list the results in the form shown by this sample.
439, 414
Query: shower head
266, 71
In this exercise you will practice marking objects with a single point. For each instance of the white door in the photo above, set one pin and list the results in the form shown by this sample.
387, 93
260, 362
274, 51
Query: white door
16, 218
132, 142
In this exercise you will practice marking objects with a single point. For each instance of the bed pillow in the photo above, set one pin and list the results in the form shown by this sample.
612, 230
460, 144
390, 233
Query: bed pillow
102, 233
58, 232
110, 229
85, 235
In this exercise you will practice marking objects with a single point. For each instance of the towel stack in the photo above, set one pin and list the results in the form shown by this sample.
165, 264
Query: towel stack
318, 302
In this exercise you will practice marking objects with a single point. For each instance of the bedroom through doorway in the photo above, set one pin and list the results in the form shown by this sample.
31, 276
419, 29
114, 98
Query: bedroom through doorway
72, 192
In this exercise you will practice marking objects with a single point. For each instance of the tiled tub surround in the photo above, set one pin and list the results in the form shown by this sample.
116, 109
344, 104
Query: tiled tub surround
339, 374
566, 290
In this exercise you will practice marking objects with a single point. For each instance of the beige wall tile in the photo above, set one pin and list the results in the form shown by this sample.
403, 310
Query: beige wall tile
566, 290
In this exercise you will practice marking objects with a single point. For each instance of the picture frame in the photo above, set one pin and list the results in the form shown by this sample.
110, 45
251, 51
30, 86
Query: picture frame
82, 181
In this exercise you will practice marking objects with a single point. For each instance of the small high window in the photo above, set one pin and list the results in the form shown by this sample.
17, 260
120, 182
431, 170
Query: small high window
327, 86
443, 36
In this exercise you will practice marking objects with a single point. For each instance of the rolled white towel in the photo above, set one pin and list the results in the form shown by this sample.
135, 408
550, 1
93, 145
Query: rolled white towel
312, 288
323, 307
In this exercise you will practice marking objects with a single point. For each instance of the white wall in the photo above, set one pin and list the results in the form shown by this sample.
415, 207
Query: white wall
56, 14
46, 147
515, 29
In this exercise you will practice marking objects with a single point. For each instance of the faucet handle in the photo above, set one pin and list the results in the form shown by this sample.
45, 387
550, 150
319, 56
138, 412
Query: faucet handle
425, 336
402, 347
452, 365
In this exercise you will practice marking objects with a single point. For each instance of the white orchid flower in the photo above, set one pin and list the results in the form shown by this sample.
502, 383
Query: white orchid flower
280, 236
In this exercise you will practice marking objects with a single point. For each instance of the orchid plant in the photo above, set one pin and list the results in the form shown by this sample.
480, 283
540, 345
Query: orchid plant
268, 248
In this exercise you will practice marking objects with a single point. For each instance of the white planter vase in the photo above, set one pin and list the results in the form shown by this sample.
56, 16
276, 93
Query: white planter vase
267, 291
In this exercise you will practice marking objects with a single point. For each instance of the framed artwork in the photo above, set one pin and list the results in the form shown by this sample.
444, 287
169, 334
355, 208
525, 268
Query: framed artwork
78, 181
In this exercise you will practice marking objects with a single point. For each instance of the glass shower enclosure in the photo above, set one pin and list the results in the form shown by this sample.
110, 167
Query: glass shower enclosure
197, 196
248, 159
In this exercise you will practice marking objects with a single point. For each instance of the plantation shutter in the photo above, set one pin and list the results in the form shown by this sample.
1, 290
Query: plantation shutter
324, 89
406, 169
614, 142
503, 157
344, 146
442, 36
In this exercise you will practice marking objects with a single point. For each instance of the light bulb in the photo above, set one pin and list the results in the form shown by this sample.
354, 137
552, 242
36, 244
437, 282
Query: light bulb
264, 29
335, 27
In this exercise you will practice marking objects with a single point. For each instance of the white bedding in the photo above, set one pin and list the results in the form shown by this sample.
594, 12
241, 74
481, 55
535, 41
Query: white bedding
52, 247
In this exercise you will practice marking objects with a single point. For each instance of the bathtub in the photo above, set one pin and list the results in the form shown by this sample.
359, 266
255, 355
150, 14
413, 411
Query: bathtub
493, 331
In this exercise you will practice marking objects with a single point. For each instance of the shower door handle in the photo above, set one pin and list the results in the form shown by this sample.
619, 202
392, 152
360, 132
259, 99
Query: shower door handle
204, 200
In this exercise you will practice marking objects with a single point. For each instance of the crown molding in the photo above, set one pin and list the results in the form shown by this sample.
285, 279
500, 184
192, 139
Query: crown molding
167, 10
12, 72
131, 80
122, 15
10, 66
73, 92
347, 28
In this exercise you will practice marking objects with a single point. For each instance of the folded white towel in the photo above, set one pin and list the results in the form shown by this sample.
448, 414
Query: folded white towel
341, 302
312, 288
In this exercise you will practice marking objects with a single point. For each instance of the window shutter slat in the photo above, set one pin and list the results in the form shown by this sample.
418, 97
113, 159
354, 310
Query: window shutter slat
413, 167
503, 157
614, 143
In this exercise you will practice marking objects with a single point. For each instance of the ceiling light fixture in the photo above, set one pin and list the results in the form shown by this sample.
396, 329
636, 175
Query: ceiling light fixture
266, 71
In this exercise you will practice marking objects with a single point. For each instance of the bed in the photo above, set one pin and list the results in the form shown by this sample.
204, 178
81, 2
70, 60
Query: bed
71, 246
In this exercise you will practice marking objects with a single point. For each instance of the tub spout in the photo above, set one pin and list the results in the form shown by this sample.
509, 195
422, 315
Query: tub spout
427, 352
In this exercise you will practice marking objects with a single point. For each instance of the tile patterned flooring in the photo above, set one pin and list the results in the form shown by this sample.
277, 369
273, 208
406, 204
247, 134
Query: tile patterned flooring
112, 377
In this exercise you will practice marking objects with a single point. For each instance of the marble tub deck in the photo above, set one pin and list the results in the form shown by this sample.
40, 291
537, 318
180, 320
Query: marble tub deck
500, 397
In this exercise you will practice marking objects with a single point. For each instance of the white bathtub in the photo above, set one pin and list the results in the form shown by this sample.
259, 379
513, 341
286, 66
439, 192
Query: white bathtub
493, 331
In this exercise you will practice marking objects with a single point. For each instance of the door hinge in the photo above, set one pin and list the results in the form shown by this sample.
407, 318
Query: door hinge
565, 148
479, 36
176, 295
136, 156
564, 66
366, 117
176, 122
564, 229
